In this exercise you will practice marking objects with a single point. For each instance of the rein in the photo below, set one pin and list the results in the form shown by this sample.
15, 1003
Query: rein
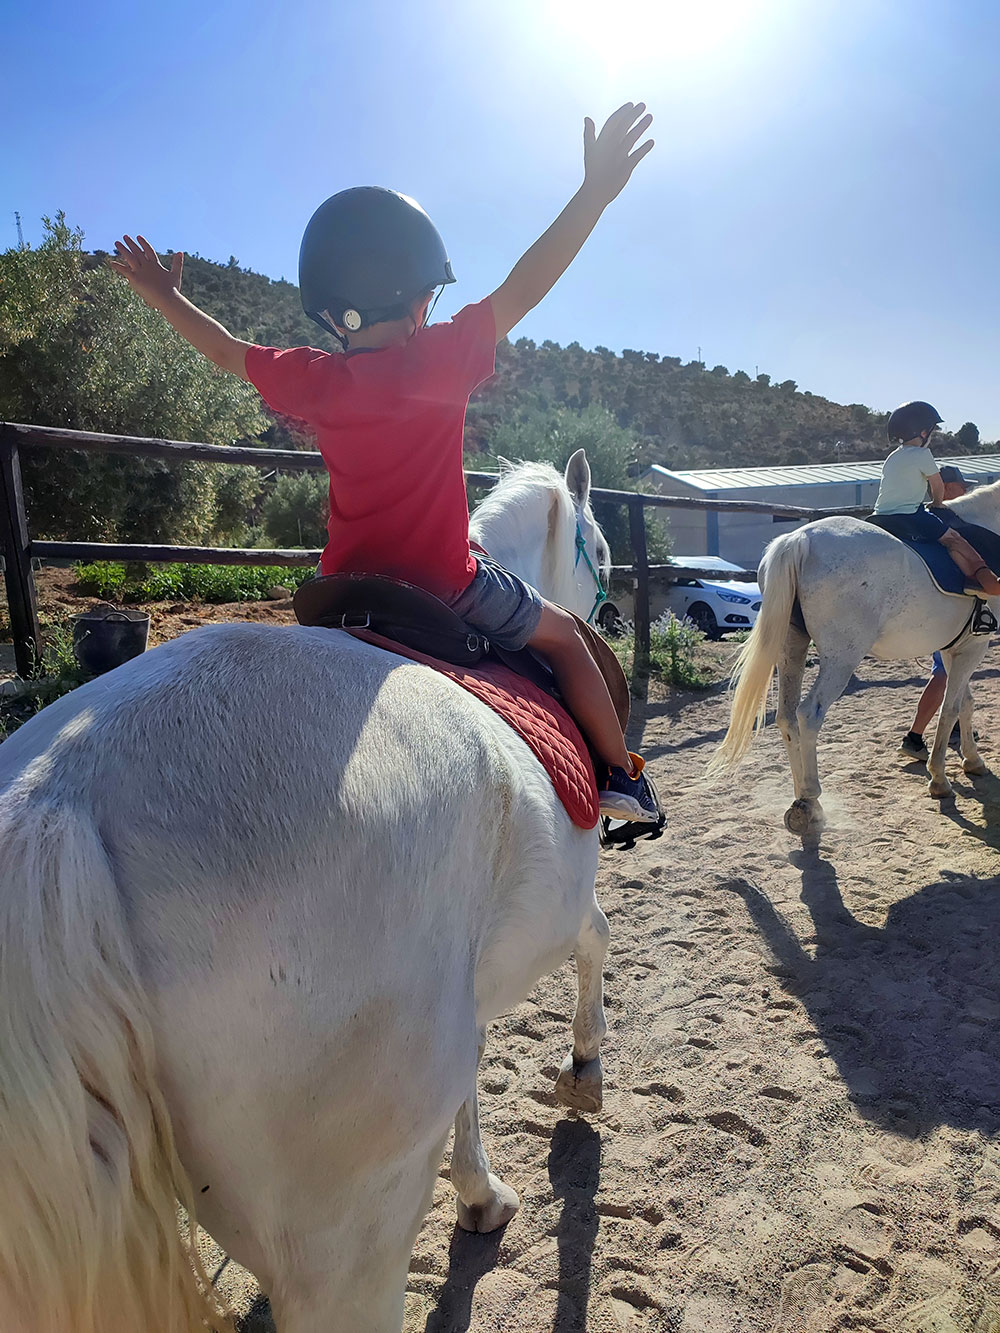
581, 549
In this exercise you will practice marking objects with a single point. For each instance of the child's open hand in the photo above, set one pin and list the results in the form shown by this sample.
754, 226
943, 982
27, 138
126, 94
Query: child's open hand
608, 159
138, 263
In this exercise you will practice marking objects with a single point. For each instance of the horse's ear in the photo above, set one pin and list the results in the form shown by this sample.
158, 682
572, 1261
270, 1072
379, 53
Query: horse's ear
578, 477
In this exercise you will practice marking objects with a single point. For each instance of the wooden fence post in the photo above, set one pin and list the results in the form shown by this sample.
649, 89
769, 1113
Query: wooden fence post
640, 565
16, 546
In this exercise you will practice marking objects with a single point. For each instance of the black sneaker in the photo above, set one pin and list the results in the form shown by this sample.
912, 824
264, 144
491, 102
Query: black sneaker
912, 747
628, 798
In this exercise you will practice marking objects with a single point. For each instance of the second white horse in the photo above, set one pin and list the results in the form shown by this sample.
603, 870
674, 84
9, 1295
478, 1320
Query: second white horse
853, 590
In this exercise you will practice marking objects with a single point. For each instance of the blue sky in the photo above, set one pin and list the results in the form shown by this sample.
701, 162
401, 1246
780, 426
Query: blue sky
821, 202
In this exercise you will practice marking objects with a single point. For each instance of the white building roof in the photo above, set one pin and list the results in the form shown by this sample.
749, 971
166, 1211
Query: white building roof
713, 562
977, 468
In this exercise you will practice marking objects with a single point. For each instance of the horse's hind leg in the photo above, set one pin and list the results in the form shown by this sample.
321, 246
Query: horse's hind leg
791, 668
972, 760
579, 1084
806, 814
484, 1202
349, 1274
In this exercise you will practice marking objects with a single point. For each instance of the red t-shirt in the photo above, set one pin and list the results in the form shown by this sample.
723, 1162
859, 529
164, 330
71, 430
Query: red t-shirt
389, 425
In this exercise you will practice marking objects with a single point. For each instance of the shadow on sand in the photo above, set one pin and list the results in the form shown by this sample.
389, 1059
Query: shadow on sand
909, 1010
257, 1319
574, 1170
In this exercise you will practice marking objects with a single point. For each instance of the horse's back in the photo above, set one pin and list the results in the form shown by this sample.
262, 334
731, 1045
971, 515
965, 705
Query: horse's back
236, 759
862, 590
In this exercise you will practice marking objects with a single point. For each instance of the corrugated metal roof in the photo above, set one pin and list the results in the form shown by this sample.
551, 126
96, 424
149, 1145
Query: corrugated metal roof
978, 468
714, 562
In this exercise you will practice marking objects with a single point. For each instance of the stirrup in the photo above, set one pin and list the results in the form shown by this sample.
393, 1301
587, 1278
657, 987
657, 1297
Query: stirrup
625, 833
983, 619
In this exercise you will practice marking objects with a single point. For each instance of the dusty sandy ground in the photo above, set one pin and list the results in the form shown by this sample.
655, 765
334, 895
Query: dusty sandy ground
802, 1097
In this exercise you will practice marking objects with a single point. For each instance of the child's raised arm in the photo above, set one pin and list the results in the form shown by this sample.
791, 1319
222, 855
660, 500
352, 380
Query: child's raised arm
161, 288
608, 161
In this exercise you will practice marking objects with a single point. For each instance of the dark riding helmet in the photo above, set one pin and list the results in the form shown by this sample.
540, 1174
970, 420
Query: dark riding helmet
908, 420
367, 253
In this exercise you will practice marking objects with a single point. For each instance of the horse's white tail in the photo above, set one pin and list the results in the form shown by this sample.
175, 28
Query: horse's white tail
758, 657
89, 1177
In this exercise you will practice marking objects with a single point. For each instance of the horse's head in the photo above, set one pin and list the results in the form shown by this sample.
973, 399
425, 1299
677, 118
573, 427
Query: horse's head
592, 555
541, 527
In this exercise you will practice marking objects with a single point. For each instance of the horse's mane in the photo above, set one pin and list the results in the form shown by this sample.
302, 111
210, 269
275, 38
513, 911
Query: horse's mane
514, 504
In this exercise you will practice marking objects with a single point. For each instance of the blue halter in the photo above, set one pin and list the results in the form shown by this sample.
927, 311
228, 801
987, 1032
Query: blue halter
581, 549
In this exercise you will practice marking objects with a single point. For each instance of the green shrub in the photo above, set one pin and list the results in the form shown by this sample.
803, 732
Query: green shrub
672, 647
295, 512
78, 349
55, 674
111, 581
552, 435
673, 644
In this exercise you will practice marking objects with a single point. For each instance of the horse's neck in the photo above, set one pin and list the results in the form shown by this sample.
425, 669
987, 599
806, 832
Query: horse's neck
980, 506
520, 536
514, 537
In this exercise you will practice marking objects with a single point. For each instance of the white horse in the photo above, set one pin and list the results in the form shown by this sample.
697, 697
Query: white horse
859, 592
261, 891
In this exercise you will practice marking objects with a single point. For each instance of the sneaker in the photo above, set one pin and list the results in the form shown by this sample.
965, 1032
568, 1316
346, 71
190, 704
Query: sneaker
912, 747
624, 797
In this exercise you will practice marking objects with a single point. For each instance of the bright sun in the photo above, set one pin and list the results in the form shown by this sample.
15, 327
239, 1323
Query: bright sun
646, 34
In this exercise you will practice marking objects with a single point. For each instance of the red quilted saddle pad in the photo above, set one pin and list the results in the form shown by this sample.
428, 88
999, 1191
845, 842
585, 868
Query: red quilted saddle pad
544, 725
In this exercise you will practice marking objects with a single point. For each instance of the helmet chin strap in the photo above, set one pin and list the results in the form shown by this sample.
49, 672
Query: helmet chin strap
343, 339
324, 323
430, 309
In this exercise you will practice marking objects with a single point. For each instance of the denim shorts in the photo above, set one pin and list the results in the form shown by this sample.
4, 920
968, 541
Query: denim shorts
920, 526
499, 605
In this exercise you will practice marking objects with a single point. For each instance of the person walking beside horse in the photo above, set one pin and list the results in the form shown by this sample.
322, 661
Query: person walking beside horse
913, 745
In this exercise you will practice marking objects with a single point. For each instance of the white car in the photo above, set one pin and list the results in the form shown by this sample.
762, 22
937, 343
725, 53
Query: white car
715, 605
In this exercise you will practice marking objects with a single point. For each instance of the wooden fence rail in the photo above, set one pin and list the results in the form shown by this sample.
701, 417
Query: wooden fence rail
18, 549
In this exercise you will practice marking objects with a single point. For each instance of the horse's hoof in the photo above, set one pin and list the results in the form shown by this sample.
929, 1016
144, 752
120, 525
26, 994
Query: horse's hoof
975, 768
801, 817
940, 789
580, 1087
495, 1213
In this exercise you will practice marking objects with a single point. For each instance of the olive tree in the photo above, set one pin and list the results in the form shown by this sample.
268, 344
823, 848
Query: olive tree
78, 349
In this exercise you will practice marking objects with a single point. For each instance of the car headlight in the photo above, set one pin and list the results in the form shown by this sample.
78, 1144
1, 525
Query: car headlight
734, 597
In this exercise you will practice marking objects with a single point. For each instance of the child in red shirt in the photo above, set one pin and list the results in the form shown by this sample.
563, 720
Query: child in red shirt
389, 414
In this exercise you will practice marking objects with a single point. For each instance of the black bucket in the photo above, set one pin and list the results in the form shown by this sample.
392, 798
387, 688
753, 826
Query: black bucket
108, 636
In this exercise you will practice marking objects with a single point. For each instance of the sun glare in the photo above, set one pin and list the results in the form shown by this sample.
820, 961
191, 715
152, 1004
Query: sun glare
653, 34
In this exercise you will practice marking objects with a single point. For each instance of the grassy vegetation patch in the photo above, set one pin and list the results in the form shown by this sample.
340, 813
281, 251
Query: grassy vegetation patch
116, 582
54, 675
674, 654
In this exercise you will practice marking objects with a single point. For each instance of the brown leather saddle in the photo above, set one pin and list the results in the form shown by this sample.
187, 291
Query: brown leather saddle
416, 618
